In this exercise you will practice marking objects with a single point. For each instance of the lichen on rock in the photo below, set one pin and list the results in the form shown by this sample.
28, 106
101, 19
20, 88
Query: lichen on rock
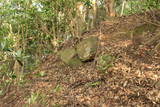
87, 48
69, 56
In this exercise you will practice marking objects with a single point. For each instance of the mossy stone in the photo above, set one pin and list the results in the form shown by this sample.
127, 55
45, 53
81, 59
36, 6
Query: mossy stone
139, 30
144, 28
87, 48
69, 56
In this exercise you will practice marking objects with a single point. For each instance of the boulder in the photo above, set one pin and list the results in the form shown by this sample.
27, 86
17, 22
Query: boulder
87, 48
69, 56
139, 33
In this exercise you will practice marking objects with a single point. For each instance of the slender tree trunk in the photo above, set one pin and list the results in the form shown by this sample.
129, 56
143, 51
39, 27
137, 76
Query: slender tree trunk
123, 7
109, 4
94, 3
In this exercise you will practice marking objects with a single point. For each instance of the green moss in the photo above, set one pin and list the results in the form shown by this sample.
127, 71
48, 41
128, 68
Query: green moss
74, 62
144, 28
69, 56
87, 48
139, 30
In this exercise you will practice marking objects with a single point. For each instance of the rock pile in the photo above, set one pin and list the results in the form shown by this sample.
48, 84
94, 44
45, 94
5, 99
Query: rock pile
82, 52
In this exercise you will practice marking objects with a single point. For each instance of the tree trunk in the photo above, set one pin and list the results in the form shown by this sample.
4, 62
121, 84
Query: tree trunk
123, 7
94, 4
109, 4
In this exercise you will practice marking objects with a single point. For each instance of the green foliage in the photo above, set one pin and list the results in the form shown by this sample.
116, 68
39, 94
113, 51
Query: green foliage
28, 28
36, 98
10, 78
136, 6
104, 62
33, 98
40, 74
57, 88
93, 84
57, 105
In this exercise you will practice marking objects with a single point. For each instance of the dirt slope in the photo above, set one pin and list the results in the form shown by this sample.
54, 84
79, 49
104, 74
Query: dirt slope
134, 78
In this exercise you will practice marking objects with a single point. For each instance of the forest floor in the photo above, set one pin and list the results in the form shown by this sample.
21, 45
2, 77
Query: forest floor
133, 80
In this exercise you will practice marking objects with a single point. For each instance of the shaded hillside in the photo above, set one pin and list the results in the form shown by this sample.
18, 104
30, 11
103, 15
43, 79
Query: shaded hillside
133, 79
